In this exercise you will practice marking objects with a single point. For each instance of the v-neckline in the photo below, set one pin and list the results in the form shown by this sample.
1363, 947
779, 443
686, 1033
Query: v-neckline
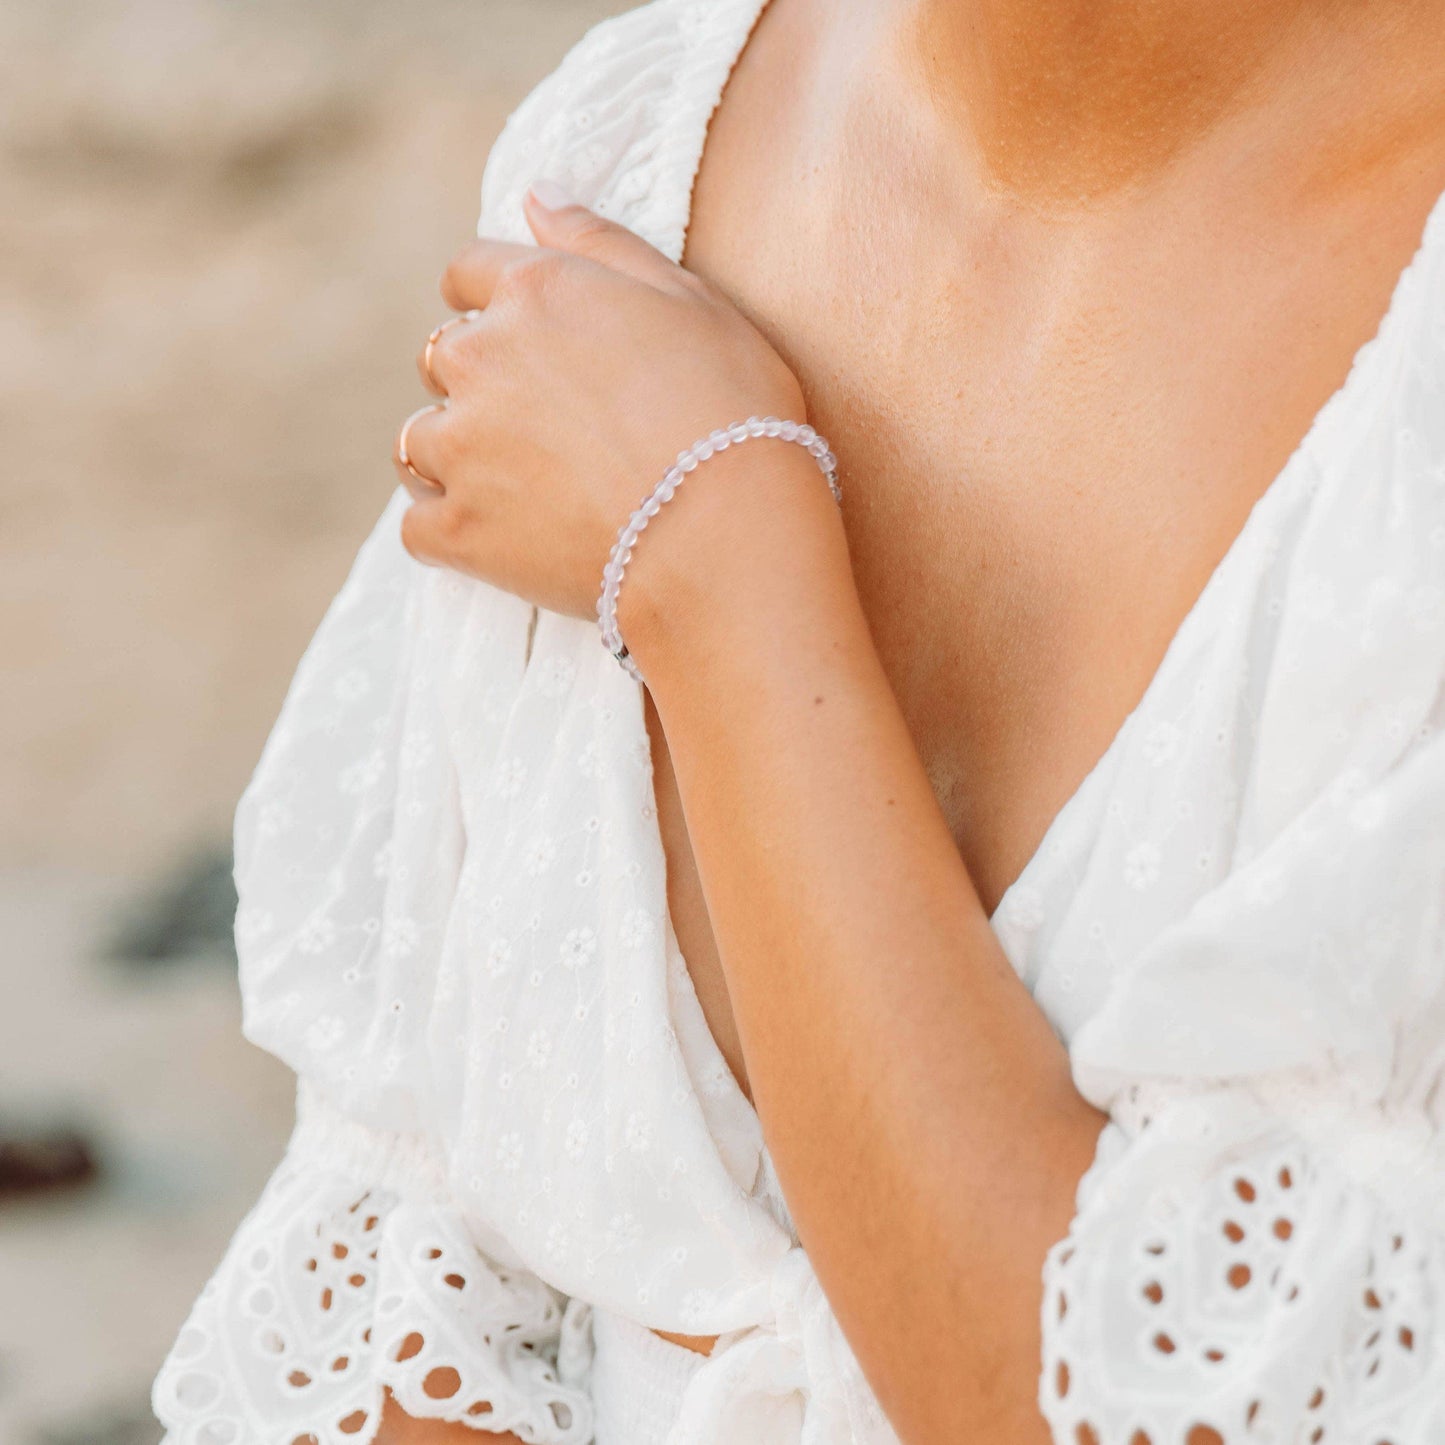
1275, 496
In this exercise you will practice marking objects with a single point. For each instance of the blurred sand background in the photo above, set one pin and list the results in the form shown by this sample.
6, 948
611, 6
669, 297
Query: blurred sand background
221, 229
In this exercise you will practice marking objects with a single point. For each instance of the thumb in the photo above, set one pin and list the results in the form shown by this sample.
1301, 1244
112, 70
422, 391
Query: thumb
564, 224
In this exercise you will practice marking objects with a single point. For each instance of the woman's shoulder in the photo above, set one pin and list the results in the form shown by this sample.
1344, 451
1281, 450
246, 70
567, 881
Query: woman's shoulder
621, 122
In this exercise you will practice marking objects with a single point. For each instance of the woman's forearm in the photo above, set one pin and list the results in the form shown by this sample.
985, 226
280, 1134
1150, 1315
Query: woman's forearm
919, 1107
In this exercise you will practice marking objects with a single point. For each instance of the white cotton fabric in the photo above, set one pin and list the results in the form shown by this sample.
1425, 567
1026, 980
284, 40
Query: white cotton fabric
638, 1381
453, 926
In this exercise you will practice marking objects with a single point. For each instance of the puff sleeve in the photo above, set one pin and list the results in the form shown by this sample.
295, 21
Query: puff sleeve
1259, 1248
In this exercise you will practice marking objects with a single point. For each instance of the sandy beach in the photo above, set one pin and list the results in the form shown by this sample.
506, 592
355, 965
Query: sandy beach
224, 228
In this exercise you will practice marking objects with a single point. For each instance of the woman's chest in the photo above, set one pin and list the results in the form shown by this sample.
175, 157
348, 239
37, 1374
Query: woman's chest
1047, 445
1049, 434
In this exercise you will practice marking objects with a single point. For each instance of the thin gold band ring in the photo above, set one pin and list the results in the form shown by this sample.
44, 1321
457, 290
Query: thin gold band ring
404, 456
431, 343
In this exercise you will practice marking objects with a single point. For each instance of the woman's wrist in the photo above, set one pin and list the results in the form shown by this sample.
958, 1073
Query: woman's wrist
727, 567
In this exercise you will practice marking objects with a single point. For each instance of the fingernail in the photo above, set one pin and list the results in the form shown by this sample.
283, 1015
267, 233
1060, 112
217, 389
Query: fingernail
550, 196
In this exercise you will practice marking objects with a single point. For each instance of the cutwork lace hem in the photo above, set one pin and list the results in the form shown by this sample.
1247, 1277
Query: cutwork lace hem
353, 1276
1225, 1275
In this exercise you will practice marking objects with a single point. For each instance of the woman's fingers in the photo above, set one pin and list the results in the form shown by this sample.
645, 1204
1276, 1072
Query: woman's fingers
431, 359
563, 224
472, 275
429, 526
521, 475
416, 453
426, 526
472, 278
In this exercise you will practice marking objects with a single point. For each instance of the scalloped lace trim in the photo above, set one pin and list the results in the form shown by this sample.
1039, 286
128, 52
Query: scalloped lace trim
1227, 1284
333, 1292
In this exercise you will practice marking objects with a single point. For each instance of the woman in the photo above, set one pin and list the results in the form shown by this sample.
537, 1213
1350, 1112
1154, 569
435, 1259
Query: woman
1053, 835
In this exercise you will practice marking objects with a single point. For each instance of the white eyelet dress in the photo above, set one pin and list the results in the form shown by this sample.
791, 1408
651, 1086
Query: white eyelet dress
513, 1123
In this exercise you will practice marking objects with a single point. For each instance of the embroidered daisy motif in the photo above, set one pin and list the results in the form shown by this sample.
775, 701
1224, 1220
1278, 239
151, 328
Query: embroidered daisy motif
1141, 866
499, 957
539, 1048
555, 676
578, 947
511, 777
1025, 908
362, 776
317, 934
540, 856
509, 1152
575, 1140
400, 937
637, 1134
624, 1229
637, 928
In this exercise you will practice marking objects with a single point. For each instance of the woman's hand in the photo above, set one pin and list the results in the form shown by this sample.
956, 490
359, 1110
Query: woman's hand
590, 361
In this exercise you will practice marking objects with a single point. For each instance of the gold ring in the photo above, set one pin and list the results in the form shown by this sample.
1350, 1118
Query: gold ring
436, 336
404, 457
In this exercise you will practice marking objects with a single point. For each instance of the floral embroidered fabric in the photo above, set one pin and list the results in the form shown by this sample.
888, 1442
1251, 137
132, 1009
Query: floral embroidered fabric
453, 926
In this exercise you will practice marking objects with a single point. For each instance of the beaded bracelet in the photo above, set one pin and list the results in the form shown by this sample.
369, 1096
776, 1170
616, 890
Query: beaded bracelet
688, 461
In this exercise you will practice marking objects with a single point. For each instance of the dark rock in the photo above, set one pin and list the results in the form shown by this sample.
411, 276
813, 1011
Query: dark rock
190, 912
37, 1160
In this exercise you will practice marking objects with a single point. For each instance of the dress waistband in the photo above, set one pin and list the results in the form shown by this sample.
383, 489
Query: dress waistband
410, 1164
638, 1380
